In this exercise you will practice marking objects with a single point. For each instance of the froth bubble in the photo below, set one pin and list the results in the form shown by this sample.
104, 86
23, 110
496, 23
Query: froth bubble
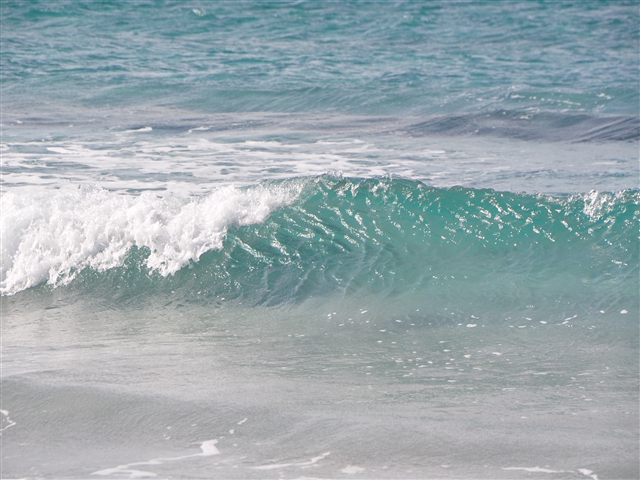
52, 236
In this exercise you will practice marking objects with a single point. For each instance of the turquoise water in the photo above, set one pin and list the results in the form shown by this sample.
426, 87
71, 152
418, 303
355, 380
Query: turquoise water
320, 240
406, 58
333, 236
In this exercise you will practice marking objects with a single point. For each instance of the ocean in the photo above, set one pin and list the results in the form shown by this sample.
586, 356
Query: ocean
320, 240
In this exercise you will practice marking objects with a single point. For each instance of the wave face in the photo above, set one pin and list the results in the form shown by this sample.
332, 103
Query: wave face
282, 243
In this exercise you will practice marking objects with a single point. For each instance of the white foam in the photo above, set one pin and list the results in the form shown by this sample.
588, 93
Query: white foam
300, 464
52, 235
588, 473
536, 470
192, 161
351, 470
208, 449
143, 129
6, 421
584, 471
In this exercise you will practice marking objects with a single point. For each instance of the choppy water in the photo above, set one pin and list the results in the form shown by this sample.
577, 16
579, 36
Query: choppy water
327, 240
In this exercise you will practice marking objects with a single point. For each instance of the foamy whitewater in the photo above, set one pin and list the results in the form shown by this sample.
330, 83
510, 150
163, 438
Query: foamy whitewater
319, 240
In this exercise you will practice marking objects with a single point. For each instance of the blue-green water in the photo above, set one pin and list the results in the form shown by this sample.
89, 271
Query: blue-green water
370, 58
320, 239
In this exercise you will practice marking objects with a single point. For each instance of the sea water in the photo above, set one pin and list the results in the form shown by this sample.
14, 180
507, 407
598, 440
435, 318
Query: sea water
319, 239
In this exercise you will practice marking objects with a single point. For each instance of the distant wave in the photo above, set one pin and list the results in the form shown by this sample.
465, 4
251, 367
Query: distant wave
568, 127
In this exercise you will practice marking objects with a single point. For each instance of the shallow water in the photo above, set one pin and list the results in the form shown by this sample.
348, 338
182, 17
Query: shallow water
296, 240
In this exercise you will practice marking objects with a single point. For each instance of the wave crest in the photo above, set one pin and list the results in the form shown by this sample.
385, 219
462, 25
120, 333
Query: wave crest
51, 237
283, 241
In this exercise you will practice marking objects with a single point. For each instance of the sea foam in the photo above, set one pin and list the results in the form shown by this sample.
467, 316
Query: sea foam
52, 236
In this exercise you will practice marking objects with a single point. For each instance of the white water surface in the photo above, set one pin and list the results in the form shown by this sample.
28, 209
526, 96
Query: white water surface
188, 160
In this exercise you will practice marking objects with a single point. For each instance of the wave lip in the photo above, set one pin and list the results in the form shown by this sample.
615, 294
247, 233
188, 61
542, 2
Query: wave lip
51, 237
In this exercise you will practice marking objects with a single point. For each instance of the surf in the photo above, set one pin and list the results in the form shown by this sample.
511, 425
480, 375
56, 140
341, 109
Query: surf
285, 242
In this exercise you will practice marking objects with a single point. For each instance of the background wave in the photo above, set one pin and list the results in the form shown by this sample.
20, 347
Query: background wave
354, 58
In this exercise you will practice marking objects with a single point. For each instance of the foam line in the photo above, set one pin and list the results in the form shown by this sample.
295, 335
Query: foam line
301, 464
584, 471
6, 420
536, 470
208, 449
